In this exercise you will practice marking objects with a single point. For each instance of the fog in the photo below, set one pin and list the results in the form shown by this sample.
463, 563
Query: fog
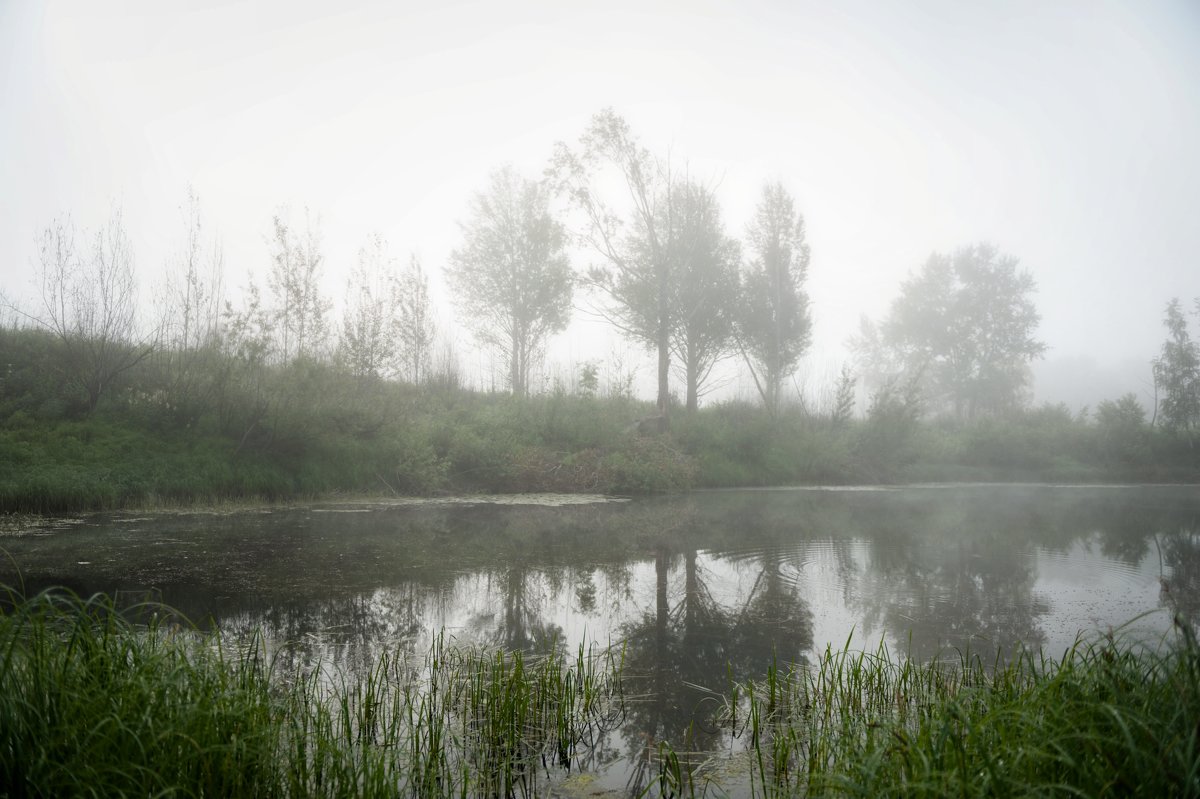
1062, 133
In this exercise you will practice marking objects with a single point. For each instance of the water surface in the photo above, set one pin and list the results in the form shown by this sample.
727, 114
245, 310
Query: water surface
697, 587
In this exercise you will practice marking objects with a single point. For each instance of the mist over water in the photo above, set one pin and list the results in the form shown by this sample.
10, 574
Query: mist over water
697, 587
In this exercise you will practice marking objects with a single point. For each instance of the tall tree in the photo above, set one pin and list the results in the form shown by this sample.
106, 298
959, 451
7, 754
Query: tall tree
89, 302
511, 277
775, 326
195, 290
414, 321
388, 327
191, 312
301, 312
636, 243
966, 324
705, 286
367, 343
1177, 372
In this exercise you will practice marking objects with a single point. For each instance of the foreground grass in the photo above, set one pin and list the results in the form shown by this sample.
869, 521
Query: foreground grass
92, 705
1109, 719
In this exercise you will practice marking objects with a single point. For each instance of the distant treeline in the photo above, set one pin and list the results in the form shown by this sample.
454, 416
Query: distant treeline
607, 224
192, 398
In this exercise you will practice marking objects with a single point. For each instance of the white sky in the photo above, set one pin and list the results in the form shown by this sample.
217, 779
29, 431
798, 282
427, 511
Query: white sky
1067, 133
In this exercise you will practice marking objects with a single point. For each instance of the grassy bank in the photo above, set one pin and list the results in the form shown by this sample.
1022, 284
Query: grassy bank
205, 427
93, 704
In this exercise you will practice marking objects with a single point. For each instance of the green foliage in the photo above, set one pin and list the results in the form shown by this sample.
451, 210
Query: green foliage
512, 277
94, 704
97, 699
775, 325
1177, 374
274, 432
1110, 718
965, 325
886, 440
1122, 432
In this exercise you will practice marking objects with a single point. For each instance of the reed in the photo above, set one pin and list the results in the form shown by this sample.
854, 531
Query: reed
1111, 718
101, 700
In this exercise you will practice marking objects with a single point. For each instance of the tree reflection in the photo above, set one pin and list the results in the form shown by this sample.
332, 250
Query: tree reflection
1180, 591
968, 594
347, 633
775, 623
680, 658
522, 625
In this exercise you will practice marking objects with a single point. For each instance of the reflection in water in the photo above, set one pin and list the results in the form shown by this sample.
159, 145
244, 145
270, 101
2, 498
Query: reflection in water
682, 657
700, 588
1180, 592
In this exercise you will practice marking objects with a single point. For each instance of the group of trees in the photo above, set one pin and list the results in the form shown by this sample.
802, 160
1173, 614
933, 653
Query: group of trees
88, 300
668, 274
387, 328
673, 278
959, 337
663, 270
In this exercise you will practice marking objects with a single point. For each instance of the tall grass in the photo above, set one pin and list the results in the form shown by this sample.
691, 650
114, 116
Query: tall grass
1111, 718
93, 704
107, 701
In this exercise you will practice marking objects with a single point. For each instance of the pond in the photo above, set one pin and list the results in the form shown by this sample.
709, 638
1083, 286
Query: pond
698, 588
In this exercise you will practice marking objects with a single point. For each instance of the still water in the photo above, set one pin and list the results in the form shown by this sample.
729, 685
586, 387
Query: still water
703, 586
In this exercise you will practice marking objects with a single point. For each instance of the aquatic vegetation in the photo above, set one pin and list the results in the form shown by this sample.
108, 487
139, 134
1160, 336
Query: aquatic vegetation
92, 703
107, 700
1111, 718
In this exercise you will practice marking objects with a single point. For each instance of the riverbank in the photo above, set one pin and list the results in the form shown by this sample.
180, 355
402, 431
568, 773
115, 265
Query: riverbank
548, 444
92, 702
212, 430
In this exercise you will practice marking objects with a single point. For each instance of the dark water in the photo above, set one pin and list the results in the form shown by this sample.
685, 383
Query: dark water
699, 586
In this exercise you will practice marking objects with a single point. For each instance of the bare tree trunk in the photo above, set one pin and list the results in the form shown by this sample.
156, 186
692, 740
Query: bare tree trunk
692, 379
664, 371
514, 366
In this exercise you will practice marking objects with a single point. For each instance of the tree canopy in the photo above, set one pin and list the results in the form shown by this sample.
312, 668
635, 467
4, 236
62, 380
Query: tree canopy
1177, 372
705, 287
635, 238
512, 278
775, 327
966, 324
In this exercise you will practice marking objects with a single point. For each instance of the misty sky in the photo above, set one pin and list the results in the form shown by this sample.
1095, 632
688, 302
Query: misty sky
1067, 133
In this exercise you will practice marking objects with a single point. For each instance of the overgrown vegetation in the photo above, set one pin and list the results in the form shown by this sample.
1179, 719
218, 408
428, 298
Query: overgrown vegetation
91, 704
1111, 718
228, 432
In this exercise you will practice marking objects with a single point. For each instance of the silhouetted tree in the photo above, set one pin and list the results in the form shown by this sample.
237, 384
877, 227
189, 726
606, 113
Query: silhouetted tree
512, 278
196, 291
706, 286
89, 303
367, 343
1177, 373
637, 244
966, 324
775, 327
414, 321
191, 313
1124, 436
301, 312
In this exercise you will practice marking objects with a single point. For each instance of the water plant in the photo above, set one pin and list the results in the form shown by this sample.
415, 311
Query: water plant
102, 700
1112, 717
